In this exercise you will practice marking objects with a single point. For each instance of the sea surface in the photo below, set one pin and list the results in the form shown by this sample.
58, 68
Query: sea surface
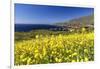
30, 27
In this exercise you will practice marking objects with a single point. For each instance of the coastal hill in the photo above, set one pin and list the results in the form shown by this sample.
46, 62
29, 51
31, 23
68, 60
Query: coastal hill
78, 23
84, 20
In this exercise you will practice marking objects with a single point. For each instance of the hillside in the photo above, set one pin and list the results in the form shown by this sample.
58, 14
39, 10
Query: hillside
85, 20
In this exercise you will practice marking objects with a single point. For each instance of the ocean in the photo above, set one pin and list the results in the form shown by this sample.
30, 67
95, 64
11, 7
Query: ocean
30, 27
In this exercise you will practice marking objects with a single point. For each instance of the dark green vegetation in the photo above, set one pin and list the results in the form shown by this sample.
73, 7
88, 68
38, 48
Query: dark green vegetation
28, 35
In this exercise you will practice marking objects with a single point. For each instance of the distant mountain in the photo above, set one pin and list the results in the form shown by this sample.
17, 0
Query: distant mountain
83, 21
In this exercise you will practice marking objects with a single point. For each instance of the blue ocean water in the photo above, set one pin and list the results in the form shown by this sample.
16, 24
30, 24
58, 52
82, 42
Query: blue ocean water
29, 27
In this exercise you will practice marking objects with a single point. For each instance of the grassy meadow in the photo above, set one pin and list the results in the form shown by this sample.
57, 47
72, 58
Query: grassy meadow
44, 47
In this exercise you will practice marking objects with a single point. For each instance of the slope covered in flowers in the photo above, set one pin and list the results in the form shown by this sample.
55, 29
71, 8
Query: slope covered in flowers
77, 47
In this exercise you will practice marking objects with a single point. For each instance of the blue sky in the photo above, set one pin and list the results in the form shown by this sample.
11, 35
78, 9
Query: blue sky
43, 14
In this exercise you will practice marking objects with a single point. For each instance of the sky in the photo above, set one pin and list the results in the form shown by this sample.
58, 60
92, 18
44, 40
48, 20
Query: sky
44, 14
